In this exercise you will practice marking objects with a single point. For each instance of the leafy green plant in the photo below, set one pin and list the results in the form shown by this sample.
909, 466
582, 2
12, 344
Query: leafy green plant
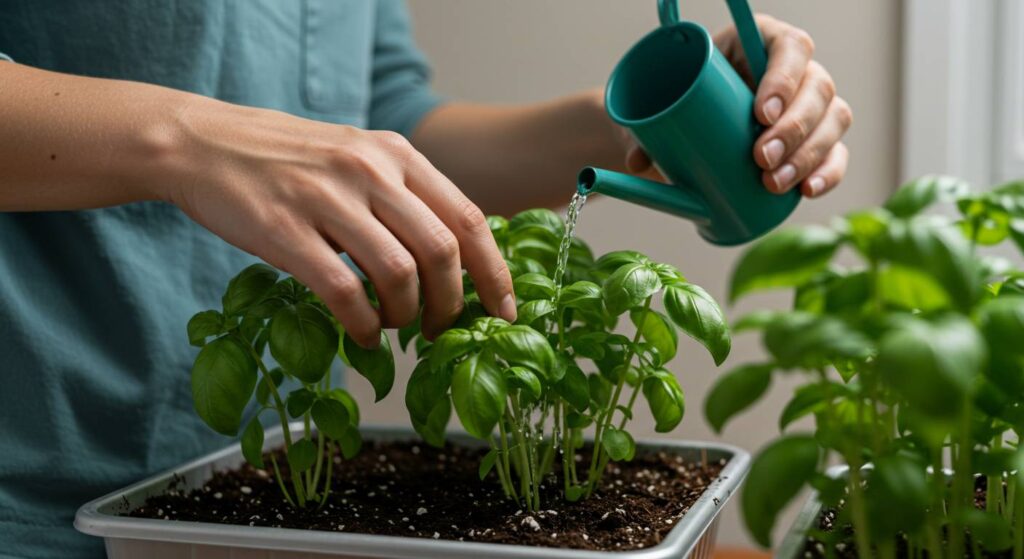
913, 368
533, 388
262, 312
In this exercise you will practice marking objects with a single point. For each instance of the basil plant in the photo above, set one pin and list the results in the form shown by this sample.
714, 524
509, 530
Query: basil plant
533, 389
907, 332
260, 311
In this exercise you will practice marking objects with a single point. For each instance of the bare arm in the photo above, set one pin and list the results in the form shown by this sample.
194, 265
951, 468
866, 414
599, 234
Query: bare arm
289, 190
510, 158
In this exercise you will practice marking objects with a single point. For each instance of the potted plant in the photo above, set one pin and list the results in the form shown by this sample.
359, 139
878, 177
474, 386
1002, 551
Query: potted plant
913, 368
520, 392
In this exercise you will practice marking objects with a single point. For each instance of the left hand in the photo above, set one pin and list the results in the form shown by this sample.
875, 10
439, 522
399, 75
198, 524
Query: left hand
797, 101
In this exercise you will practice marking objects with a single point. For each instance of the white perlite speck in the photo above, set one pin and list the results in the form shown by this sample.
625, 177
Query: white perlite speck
436, 535
218, 495
245, 489
421, 511
532, 523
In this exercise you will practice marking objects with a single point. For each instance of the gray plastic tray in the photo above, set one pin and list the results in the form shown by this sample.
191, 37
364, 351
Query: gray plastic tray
125, 537
795, 539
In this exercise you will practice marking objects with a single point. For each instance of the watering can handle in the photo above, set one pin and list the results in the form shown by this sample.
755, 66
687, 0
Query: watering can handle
746, 27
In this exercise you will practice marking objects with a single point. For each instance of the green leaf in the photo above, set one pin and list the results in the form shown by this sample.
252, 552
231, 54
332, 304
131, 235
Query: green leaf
799, 339
204, 325
487, 463
433, 429
263, 391
665, 398
252, 443
573, 493
933, 366
786, 258
897, 495
349, 402
376, 365
301, 455
450, 346
248, 288
299, 402
656, 329
755, 320
588, 344
331, 418
693, 310
619, 258
541, 216
478, 392
304, 341
776, 476
988, 229
918, 194
351, 443
425, 388
407, 333
911, 289
533, 286
865, 228
223, 379
938, 251
522, 378
575, 388
576, 420
809, 399
600, 391
629, 287
735, 391
580, 295
530, 311
522, 345
618, 444
499, 228
1002, 323
989, 529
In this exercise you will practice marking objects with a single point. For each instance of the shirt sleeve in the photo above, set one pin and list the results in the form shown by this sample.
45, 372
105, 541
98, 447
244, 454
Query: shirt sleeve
4, 57
400, 83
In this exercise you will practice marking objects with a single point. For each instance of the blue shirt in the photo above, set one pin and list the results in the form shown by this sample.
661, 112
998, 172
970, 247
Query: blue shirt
94, 360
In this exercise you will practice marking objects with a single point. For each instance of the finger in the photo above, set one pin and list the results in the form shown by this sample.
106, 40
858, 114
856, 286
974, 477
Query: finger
827, 176
806, 112
383, 259
637, 160
789, 51
814, 150
479, 252
314, 264
436, 251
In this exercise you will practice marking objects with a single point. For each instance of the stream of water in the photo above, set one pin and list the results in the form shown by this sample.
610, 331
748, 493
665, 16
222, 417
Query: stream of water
572, 216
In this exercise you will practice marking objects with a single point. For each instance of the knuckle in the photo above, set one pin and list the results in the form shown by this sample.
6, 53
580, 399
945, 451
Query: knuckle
825, 86
342, 289
471, 219
798, 131
786, 83
393, 141
802, 39
399, 269
443, 248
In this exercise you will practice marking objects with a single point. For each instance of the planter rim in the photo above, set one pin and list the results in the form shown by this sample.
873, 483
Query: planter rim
99, 517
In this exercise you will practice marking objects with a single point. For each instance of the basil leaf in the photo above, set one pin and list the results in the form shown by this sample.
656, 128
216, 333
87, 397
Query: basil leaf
665, 398
252, 443
433, 429
736, 391
223, 379
248, 288
533, 286
299, 402
304, 341
776, 476
301, 455
530, 311
376, 365
478, 392
450, 346
522, 378
487, 463
656, 330
425, 388
629, 287
575, 388
913, 197
618, 444
786, 258
204, 325
522, 345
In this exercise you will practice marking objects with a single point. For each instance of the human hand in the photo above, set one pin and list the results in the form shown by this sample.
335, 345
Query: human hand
797, 101
294, 192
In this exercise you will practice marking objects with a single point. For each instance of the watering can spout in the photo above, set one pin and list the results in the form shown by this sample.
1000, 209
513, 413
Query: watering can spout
651, 194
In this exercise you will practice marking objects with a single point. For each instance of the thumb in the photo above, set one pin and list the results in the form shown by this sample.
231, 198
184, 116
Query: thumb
637, 160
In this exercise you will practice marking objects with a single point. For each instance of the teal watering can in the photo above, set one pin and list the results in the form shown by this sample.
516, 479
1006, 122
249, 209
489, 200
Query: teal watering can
693, 115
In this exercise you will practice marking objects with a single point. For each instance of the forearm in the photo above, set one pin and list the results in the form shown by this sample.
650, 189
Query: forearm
509, 158
71, 142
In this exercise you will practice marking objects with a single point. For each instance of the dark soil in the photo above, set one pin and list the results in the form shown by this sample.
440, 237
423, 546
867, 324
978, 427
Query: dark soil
845, 548
410, 489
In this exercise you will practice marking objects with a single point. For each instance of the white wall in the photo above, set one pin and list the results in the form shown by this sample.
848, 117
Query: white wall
500, 51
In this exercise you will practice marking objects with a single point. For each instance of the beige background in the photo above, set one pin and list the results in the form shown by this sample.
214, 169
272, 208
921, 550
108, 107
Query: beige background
531, 50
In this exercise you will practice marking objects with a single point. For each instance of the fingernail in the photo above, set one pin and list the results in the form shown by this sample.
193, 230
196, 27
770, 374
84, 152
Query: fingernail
507, 310
772, 109
773, 152
371, 343
784, 176
817, 185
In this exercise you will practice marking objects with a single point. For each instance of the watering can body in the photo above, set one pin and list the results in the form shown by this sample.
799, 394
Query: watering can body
694, 116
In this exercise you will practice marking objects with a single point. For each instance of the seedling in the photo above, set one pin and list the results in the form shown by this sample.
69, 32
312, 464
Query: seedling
230, 377
913, 361
533, 388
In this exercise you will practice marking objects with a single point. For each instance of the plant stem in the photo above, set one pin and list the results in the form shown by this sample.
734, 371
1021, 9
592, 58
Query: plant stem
595, 474
526, 466
962, 483
505, 459
327, 479
1018, 515
310, 491
279, 406
861, 530
280, 481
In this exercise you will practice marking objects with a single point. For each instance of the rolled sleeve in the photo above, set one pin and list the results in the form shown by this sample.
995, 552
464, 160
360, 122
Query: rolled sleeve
400, 83
5, 58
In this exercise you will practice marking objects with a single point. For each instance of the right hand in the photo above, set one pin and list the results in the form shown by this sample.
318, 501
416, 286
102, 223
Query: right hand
295, 192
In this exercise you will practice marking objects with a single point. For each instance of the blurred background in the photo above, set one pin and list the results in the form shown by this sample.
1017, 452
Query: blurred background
935, 86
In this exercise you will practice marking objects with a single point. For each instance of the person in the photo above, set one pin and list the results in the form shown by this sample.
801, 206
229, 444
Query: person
150, 150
